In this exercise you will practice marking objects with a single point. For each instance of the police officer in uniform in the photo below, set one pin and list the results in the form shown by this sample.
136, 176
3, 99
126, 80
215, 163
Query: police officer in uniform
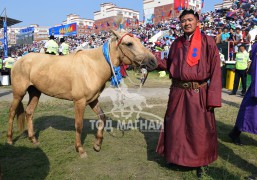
1, 63
51, 47
7, 66
64, 47
8, 63
242, 59
1, 60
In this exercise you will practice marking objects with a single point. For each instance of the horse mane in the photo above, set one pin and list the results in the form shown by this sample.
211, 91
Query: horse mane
119, 20
77, 51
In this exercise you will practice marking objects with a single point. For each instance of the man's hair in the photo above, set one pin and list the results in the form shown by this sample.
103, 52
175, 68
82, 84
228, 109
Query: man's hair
51, 37
62, 40
242, 45
189, 11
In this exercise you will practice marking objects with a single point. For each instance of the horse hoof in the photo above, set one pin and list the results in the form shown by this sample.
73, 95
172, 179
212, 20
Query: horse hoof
83, 155
97, 147
36, 144
10, 142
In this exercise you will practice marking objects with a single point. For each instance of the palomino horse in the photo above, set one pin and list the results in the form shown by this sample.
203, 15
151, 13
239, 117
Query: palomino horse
79, 77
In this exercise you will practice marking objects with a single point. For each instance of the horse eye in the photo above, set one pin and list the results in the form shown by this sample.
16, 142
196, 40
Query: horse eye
129, 44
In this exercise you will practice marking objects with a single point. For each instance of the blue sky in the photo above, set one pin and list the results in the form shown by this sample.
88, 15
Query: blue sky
51, 12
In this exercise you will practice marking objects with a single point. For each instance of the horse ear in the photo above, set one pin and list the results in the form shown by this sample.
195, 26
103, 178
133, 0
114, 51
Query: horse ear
116, 34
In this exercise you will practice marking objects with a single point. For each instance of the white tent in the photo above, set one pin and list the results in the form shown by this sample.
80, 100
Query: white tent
253, 33
158, 35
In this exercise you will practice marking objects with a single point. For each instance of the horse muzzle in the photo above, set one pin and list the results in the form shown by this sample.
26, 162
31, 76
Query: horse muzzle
150, 63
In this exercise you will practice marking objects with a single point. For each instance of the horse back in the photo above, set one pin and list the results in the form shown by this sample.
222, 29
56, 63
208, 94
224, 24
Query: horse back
48, 73
69, 77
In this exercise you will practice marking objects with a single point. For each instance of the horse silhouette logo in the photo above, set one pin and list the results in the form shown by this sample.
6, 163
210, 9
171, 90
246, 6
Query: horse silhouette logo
126, 103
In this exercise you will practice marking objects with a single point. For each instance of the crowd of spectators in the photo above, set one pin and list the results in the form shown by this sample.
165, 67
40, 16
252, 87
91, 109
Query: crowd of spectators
224, 25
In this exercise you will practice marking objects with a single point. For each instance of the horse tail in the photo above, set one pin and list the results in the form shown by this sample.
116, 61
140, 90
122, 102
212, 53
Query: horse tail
20, 112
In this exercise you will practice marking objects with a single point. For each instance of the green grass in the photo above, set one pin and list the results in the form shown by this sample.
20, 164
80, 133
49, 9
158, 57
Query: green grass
124, 155
153, 80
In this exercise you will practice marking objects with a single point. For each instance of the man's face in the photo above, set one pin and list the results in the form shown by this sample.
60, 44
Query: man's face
189, 23
242, 48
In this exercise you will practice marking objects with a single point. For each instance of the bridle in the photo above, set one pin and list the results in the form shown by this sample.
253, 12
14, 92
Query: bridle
118, 46
112, 67
129, 34
124, 55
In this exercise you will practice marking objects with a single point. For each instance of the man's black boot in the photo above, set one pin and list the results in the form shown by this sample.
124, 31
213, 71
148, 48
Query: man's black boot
235, 136
201, 170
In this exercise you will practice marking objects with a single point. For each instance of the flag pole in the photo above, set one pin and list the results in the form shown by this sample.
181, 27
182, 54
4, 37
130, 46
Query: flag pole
5, 34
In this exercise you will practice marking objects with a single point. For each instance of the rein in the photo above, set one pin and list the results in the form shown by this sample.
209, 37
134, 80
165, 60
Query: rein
130, 80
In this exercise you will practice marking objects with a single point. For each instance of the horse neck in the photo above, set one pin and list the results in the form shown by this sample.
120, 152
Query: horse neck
114, 54
105, 67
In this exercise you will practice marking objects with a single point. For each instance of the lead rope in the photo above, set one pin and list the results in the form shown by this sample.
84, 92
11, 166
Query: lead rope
130, 80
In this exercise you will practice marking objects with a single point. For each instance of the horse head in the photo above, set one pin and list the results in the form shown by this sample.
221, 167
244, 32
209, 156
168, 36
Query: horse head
132, 52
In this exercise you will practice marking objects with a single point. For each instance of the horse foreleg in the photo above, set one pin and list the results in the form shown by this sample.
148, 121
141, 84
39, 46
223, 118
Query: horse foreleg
34, 96
102, 119
79, 115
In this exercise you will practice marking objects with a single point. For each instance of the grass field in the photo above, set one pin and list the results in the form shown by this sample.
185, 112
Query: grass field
124, 155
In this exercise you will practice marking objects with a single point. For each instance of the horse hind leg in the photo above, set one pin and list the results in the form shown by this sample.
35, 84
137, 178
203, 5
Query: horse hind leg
16, 108
102, 119
79, 115
34, 95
